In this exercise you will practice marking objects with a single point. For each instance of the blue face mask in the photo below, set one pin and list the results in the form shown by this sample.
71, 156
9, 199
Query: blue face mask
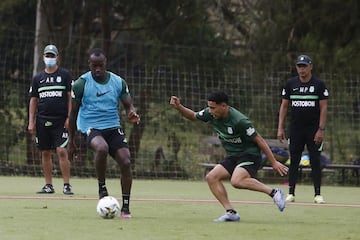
49, 62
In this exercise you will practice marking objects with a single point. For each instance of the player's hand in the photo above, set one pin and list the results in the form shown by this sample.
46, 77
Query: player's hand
281, 135
280, 168
134, 117
72, 149
66, 124
32, 129
174, 102
319, 137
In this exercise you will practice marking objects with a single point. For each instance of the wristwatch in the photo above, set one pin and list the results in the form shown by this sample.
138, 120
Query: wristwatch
322, 128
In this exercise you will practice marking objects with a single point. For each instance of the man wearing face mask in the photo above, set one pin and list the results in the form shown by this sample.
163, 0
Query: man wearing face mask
49, 110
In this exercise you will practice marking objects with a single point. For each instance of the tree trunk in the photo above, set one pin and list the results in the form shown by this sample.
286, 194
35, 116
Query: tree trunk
138, 129
41, 34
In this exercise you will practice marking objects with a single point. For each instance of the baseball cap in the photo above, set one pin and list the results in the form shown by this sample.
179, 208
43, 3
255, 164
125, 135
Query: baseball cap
303, 59
51, 49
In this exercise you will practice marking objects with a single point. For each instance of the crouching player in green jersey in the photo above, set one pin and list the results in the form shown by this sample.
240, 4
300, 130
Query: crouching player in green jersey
243, 146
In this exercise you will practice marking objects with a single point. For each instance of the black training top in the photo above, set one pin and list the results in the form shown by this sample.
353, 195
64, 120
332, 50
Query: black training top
51, 89
304, 100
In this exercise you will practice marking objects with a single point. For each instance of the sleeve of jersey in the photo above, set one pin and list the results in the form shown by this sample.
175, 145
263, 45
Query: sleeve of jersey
204, 115
78, 90
125, 92
69, 81
248, 127
33, 91
324, 94
285, 94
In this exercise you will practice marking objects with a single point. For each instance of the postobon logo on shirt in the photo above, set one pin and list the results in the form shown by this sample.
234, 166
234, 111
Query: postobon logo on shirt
50, 94
233, 140
303, 103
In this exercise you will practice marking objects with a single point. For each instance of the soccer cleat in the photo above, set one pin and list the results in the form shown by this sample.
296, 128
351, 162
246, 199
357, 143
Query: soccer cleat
290, 198
279, 199
47, 189
319, 199
228, 217
125, 213
67, 189
103, 192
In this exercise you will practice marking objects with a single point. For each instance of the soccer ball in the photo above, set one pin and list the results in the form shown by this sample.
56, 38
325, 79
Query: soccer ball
108, 207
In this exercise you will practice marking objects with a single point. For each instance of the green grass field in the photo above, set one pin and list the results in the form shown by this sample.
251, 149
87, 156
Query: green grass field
164, 209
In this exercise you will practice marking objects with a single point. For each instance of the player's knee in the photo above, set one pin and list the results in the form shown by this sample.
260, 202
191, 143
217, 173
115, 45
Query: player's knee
208, 177
124, 163
102, 150
237, 183
125, 169
62, 153
211, 177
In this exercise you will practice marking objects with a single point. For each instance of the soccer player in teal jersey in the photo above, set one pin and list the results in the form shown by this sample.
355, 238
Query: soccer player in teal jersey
96, 97
243, 146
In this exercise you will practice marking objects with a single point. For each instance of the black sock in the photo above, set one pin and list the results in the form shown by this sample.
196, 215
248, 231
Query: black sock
292, 190
126, 201
272, 193
101, 184
317, 191
231, 211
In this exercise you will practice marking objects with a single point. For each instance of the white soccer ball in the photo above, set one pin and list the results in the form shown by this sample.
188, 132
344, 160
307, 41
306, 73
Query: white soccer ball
108, 207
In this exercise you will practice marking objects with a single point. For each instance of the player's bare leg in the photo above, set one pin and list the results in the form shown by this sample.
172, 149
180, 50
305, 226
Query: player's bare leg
214, 179
65, 169
47, 165
123, 159
64, 163
241, 179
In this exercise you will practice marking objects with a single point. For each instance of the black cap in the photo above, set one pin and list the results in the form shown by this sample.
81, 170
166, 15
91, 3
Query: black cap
303, 59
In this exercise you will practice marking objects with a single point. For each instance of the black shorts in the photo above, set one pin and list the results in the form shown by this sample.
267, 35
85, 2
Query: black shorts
304, 136
114, 137
50, 133
251, 163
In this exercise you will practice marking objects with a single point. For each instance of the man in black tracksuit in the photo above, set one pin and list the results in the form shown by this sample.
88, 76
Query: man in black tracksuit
307, 97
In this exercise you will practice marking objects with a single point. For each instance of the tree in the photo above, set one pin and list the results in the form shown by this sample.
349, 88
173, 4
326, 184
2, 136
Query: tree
220, 34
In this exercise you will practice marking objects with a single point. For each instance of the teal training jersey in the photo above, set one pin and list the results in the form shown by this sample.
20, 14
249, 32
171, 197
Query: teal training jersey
236, 132
99, 102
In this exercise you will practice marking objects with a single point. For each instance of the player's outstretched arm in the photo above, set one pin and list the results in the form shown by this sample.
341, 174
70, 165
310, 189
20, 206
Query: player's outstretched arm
186, 112
133, 117
276, 165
